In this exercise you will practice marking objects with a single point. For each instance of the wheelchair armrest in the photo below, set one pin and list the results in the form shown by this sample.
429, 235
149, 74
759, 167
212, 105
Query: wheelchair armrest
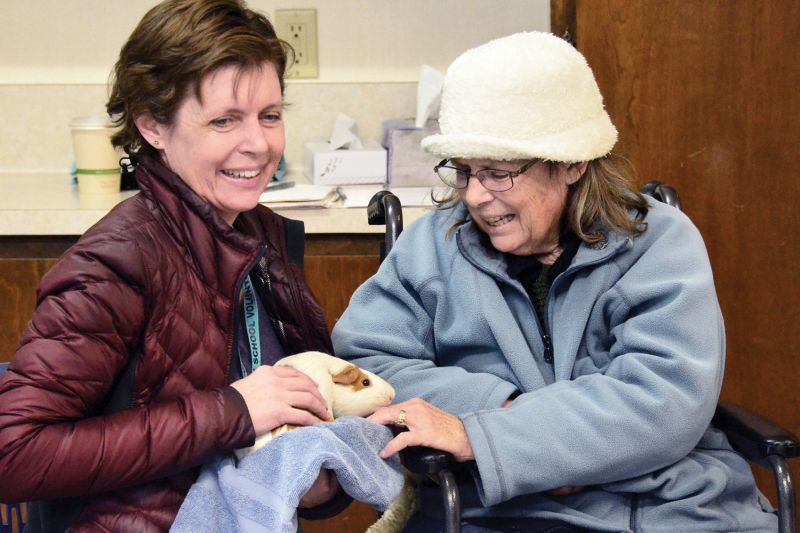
438, 465
753, 435
428, 461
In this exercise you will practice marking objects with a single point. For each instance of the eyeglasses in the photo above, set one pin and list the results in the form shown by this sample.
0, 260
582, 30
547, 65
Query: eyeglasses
491, 179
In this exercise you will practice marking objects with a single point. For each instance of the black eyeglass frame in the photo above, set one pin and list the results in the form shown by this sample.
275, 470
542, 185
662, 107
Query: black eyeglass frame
482, 175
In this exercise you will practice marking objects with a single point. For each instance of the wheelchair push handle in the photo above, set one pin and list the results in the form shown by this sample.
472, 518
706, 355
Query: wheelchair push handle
384, 208
662, 192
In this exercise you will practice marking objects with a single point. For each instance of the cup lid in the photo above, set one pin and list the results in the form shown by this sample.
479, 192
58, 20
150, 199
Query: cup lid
91, 123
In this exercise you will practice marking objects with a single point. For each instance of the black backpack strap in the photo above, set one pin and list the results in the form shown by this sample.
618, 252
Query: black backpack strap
295, 234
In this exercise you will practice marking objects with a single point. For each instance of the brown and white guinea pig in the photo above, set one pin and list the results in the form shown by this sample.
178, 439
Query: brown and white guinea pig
349, 390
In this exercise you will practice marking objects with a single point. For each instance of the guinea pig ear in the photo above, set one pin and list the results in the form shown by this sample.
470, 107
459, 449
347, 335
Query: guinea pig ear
347, 376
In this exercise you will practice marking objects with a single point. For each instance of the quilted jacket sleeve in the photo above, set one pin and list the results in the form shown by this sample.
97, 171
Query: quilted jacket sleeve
54, 439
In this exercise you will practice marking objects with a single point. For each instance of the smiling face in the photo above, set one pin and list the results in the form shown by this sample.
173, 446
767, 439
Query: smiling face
226, 145
524, 220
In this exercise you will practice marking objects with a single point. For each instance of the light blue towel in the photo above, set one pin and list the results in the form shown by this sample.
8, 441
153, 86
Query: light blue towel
261, 493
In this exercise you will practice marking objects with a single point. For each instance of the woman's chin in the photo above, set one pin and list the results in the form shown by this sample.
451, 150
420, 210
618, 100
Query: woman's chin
236, 204
243, 193
502, 244
507, 244
245, 204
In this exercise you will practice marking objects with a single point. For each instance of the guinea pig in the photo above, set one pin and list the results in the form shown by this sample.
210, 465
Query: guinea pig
348, 389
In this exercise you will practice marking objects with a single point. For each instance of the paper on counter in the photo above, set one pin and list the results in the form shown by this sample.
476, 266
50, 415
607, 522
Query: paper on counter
345, 133
360, 195
307, 195
302, 195
429, 95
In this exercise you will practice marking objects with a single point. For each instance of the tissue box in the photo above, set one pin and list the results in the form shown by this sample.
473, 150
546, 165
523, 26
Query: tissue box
325, 166
409, 165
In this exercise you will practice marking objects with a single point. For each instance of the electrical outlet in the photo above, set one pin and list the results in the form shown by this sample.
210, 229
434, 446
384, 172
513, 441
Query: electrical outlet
298, 27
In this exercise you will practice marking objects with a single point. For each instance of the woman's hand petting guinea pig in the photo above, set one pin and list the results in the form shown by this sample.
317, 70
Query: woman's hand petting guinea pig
277, 395
427, 426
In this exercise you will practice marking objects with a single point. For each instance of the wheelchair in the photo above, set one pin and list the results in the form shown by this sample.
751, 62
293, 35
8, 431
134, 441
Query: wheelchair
759, 440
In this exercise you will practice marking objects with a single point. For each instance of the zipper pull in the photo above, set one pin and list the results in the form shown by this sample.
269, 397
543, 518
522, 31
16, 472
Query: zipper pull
548, 349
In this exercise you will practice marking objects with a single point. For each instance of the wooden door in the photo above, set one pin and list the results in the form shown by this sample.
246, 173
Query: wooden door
704, 94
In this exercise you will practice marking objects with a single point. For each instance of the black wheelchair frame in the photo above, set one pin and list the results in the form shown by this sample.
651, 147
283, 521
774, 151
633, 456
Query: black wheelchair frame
759, 440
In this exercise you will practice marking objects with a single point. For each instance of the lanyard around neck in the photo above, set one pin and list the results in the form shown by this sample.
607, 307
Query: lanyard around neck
251, 326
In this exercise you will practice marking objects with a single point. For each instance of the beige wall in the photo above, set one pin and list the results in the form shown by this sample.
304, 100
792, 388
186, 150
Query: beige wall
55, 57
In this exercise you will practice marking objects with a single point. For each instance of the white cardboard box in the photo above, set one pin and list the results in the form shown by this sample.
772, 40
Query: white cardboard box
324, 166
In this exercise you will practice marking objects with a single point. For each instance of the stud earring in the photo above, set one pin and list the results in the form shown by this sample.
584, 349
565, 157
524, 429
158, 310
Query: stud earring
155, 143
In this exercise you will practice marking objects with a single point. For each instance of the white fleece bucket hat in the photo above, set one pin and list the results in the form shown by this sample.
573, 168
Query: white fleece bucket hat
528, 95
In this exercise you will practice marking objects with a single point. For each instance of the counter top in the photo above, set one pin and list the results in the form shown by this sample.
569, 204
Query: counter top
48, 204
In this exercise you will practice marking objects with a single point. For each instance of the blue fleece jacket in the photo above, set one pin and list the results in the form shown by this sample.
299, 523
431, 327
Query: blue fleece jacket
625, 408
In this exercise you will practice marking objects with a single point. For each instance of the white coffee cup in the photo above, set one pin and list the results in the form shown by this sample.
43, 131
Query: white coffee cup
97, 161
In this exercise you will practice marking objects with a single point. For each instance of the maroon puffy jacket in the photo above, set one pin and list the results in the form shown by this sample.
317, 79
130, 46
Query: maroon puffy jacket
155, 283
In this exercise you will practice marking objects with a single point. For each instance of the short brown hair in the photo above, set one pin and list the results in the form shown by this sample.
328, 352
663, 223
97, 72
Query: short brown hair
176, 44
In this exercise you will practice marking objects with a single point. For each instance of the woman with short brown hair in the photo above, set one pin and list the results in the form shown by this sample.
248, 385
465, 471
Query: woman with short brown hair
135, 368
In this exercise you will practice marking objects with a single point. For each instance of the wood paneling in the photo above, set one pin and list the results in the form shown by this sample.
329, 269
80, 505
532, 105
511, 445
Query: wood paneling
334, 268
23, 262
18, 281
704, 95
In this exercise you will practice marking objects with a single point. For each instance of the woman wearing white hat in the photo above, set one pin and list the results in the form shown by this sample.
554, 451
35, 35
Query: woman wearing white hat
551, 323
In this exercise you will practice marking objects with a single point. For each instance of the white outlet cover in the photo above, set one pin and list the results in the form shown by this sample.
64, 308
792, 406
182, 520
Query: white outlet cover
298, 27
